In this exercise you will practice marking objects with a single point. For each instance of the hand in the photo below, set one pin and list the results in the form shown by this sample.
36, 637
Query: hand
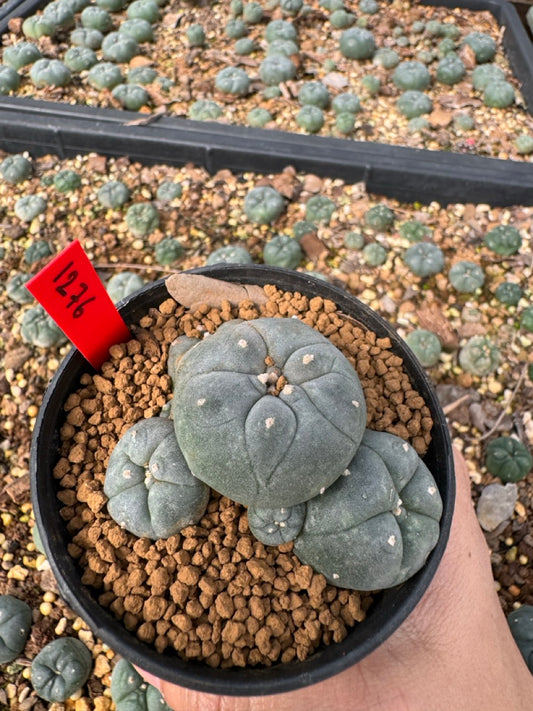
453, 653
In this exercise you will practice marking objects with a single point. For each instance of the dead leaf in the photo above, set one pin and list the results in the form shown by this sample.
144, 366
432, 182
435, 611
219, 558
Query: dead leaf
438, 117
467, 54
140, 61
15, 25
191, 290
313, 246
97, 163
159, 111
431, 318
335, 80
18, 489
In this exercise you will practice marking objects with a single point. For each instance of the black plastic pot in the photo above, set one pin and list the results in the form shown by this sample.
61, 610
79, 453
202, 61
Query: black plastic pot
43, 127
390, 608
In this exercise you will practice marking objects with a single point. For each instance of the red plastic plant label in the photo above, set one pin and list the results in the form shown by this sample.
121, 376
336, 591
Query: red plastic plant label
71, 292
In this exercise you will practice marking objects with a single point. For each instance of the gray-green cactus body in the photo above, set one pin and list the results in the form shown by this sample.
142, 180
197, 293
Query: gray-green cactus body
15, 621
376, 525
283, 440
131, 693
60, 669
273, 527
150, 488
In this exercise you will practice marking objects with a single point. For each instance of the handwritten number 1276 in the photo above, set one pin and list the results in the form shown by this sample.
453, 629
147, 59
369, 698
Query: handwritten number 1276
73, 299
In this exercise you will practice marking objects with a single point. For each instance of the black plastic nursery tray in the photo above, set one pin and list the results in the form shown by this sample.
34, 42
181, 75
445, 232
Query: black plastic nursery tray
411, 174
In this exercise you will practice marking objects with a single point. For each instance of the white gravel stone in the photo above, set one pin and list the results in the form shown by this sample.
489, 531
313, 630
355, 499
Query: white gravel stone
496, 505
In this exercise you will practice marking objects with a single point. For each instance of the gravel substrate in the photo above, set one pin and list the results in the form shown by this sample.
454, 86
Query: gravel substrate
210, 214
459, 121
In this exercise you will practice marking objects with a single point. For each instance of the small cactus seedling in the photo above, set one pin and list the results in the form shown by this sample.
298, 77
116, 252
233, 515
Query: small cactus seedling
138, 29
508, 293
143, 10
113, 194
354, 240
151, 491
79, 59
84, 37
310, 118
282, 251
479, 356
450, 69
195, 35
357, 43
424, 259
387, 58
105, 75
16, 289
95, 18
131, 96
371, 84
504, 240
233, 80
508, 459
346, 103
483, 45
466, 277
21, 54
28, 207
280, 29
15, 169
385, 510
236, 28
282, 46
345, 123
168, 251
130, 692
413, 103
37, 250
411, 75
244, 46
446, 48
263, 205
379, 217
526, 319
368, 7
230, 254
123, 284
374, 254
485, 74
118, 47
314, 93
524, 144
319, 209
141, 75
168, 191
252, 13
15, 622
142, 218
425, 345
61, 668
414, 231
299, 401
499, 94
275, 69
38, 329
302, 228
9, 79
67, 180
341, 19
463, 122
273, 527
521, 626
204, 110
258, 117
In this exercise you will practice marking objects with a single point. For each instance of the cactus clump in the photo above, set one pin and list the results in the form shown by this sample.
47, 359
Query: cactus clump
379, 217
450, 69
142, 218
508, 293
21, 54
95, 18
425, 345
357, 43
143, 10
486, 74
38, 329
9, 79
151, 491
276, 526
317, 415
466, 277
15, 622
131, 96
479, 356
258, 117
504, 240
138, 29
275, 69
118, 47
483, 45
84, 37
263, 205
15, 169
233, 80
314, 93
230, 254
50, 72
113, 194
105, 75
499, 94
123, 284
411, 76
61, 668
310, 118
508, 459
424, 259
79, 59
282, 251
204, 110
385, 510
67, 180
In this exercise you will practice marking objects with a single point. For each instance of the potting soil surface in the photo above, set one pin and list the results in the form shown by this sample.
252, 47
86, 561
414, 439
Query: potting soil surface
479, 408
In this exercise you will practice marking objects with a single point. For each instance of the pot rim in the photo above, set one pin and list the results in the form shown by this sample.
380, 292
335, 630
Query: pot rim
390, 608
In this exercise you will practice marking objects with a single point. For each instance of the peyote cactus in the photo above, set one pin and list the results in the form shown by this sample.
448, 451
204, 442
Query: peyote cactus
21, 54
61, 668
131, 96
523, 143
521, 626
204, 110
16, 289
168, 191
374, 254
483, 45
67, 180
252, 13
59, 14
244, 46
111, 5
319, 209
385, 510
37, 250
263, 205
424, 259
123, 284
168, 251
508, 459
346, 103
387, 58
28, 207
414, 231
371, 84
425, 345
236, 28
290, 7
113, 194
273, 527
411, 75
38, 329
141, 75
233, 80
413, 103
276, 68
345, 123
499, 94
15, 621
85, 37
282, 251
130, 692
357, 43
379, 217
504, 240
50, 72
258, 117
310, 118
79, 59
37, 26
118, 47
486, 74
479, 356
280, 29
195, 35
508, 293
341, 19
151, 491
466, 277
299, 400
138, 29
526, 319
354, 240
142, 218
144, 10
282, 46
9, 79
230, 254
314, 93
463, 122
96, 18
15, 168
450, 69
